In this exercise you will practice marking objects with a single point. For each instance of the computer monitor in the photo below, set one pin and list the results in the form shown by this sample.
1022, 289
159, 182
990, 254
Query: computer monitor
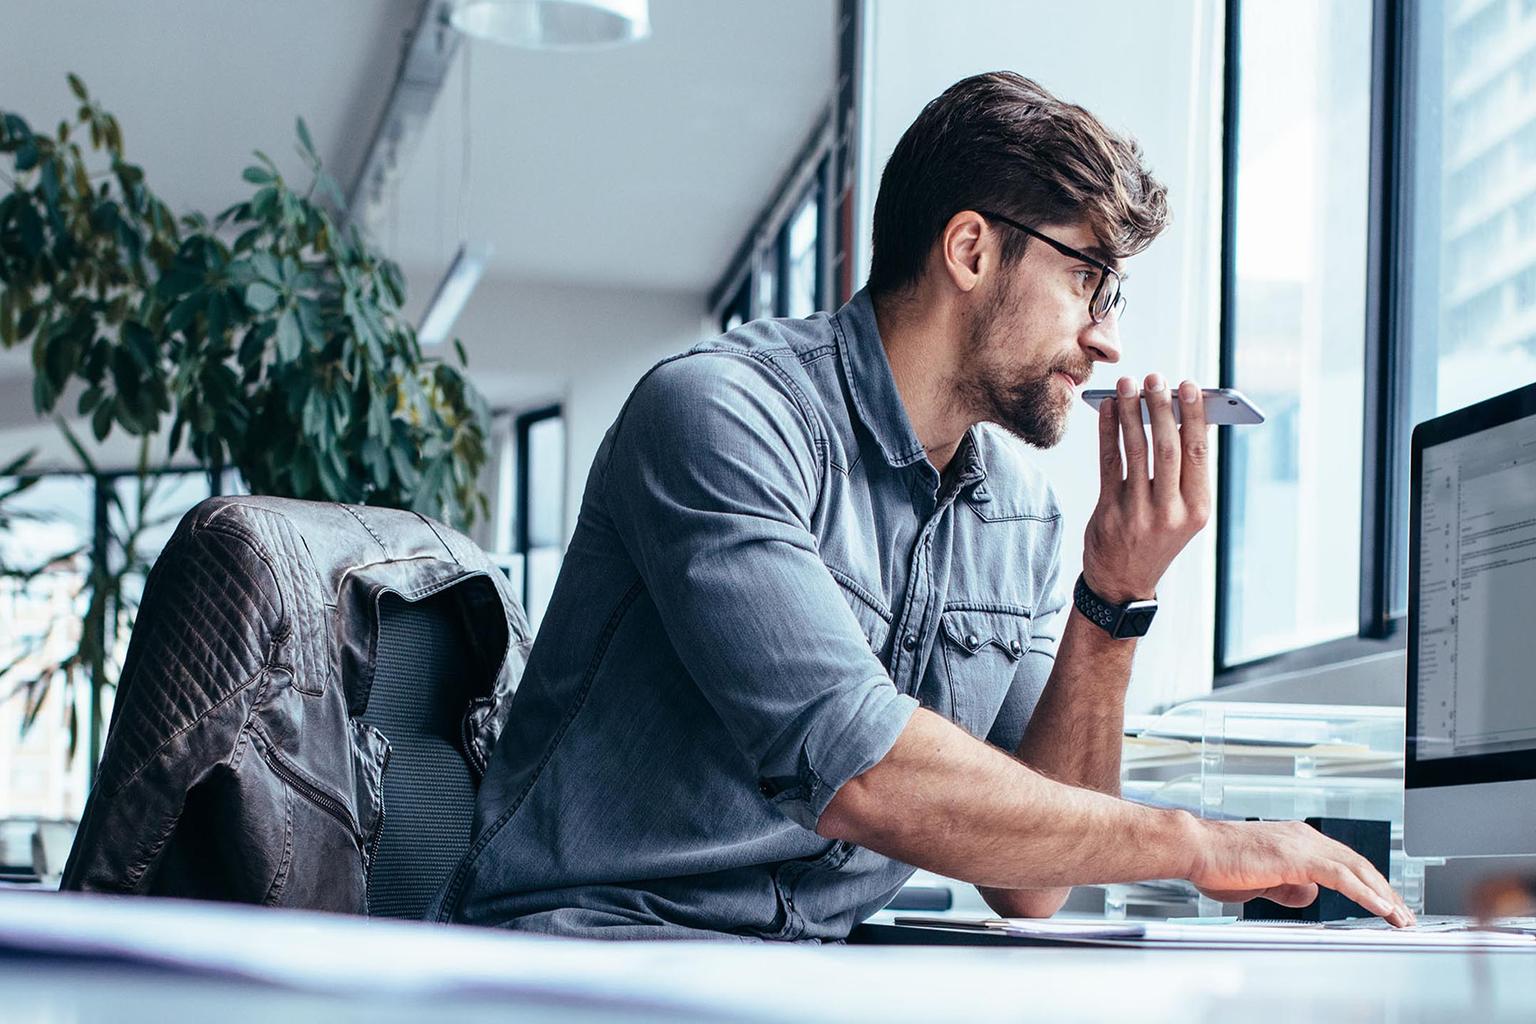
1471, 708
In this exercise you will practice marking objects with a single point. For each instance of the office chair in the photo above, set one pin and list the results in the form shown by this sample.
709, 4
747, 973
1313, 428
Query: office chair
309, 700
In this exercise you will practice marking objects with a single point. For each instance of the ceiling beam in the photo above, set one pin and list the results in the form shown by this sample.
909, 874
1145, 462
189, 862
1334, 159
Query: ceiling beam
429, 51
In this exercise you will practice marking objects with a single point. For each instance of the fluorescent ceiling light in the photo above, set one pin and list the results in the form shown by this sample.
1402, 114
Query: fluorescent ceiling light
452, 293
554, 24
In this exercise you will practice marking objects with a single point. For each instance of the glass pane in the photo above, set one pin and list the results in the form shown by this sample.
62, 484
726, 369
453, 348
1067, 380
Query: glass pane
543, 568
39, 626
168, 496
1473, 320
546, 481
1303, 154
800, 238
766, 282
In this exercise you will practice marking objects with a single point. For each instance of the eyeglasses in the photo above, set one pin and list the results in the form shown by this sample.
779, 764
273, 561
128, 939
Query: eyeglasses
1106, 296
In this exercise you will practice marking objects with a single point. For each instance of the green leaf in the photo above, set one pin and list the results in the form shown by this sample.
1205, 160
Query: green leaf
267, 266
261, 297
257, 175
290, 342
306, 141
140, 343
101, 419
77, 87
89, 398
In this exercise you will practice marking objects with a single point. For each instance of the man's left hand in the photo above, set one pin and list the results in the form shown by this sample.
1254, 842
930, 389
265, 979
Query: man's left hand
1143, 520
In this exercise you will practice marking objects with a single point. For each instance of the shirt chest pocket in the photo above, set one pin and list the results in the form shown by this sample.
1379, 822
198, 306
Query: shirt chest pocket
874, 621
980, 651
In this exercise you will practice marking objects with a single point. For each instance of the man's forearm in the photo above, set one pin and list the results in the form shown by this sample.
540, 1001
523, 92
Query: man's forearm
1074, 735
1076, 730
944, 801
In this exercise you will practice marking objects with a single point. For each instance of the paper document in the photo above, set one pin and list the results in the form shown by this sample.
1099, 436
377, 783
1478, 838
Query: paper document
1233, 935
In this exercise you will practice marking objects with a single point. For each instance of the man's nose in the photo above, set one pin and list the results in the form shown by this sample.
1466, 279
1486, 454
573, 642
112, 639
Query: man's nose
1102, 340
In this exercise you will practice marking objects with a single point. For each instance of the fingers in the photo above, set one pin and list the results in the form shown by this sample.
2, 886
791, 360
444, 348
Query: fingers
1292, 895
1165, 443
1195, 474
1357, 879
1111, 469
1133, 435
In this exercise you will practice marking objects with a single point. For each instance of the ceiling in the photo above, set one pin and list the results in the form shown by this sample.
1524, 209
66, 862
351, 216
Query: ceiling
641, 167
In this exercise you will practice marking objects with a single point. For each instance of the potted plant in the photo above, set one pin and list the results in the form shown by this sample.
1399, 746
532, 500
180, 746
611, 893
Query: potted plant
268, 338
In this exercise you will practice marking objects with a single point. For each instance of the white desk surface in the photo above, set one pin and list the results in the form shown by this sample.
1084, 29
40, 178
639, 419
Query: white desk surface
85, 958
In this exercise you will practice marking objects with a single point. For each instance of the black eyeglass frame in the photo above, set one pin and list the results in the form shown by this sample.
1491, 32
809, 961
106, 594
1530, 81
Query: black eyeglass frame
1117, 301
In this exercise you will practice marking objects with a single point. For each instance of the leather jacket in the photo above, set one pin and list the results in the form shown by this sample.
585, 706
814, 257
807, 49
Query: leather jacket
237, 766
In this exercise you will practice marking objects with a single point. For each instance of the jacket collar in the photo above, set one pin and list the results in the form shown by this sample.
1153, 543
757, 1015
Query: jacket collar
876, 401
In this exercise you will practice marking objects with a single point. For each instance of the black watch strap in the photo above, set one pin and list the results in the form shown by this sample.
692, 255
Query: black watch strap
1121, 621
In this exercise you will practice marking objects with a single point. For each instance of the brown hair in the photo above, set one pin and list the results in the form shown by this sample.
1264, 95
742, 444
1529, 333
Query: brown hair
999, 141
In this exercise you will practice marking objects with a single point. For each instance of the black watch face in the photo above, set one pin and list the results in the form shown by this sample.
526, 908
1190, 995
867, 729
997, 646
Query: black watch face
1137, 619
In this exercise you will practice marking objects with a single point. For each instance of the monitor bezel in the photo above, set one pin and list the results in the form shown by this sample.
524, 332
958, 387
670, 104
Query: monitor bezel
1499, 766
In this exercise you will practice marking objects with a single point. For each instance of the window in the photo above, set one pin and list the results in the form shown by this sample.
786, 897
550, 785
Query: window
539, 509
801, 259
784, 267
1414, 293
1471, 332
62, 520
1297, 317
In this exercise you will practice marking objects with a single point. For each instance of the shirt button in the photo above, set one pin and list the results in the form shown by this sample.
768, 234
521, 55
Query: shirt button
909, 642
972, 640
1016, 647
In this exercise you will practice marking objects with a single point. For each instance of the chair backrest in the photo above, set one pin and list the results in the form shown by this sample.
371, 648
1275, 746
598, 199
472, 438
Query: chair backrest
276, 643
420, 689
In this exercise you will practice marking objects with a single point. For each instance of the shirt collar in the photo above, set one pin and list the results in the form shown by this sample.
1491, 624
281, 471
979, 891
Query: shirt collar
876, 401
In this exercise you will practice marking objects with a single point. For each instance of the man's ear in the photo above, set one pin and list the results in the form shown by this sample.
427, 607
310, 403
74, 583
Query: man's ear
967, 248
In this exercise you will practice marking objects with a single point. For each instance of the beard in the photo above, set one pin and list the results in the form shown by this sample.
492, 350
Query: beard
1028, 405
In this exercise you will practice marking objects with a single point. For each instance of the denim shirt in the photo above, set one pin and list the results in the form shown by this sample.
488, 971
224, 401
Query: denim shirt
766, 579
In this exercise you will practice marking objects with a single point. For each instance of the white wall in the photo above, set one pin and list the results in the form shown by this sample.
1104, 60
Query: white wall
533, 344
1152, 70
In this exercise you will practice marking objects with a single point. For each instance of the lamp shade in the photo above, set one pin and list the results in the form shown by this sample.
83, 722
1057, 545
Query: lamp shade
554, 24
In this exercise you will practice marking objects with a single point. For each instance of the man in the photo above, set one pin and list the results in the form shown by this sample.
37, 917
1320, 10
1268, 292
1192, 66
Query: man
812, 629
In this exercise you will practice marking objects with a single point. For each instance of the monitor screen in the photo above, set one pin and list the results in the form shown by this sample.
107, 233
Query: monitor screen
1472, 607
1477, 592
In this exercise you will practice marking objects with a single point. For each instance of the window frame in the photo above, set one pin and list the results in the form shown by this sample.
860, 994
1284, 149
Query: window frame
765, 249
1388, 340
522, 544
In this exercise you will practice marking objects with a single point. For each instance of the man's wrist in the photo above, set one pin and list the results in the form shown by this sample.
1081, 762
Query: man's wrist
1123, 620
1115, 590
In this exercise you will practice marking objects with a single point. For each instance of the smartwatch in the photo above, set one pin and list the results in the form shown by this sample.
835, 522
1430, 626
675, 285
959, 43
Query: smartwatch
1121, 621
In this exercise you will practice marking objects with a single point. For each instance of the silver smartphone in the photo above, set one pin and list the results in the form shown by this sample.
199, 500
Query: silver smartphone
1227, 407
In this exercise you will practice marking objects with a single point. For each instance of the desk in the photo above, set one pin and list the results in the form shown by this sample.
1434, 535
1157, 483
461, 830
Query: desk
82, 958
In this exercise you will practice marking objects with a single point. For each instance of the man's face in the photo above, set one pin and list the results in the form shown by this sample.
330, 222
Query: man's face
1031, 343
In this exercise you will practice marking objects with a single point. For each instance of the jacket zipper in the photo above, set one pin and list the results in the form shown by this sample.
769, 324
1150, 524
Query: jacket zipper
372, 849
325, 801
467, 737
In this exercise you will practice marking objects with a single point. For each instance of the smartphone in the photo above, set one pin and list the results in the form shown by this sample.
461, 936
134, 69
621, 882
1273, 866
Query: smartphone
1226, 407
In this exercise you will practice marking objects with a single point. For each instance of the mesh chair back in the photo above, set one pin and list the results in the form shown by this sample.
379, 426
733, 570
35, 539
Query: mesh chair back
421, 686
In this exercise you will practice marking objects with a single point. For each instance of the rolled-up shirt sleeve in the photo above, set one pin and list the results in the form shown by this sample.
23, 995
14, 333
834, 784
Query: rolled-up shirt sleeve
711, 480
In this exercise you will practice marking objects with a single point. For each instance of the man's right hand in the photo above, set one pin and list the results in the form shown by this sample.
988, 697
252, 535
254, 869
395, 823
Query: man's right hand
1285, 861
